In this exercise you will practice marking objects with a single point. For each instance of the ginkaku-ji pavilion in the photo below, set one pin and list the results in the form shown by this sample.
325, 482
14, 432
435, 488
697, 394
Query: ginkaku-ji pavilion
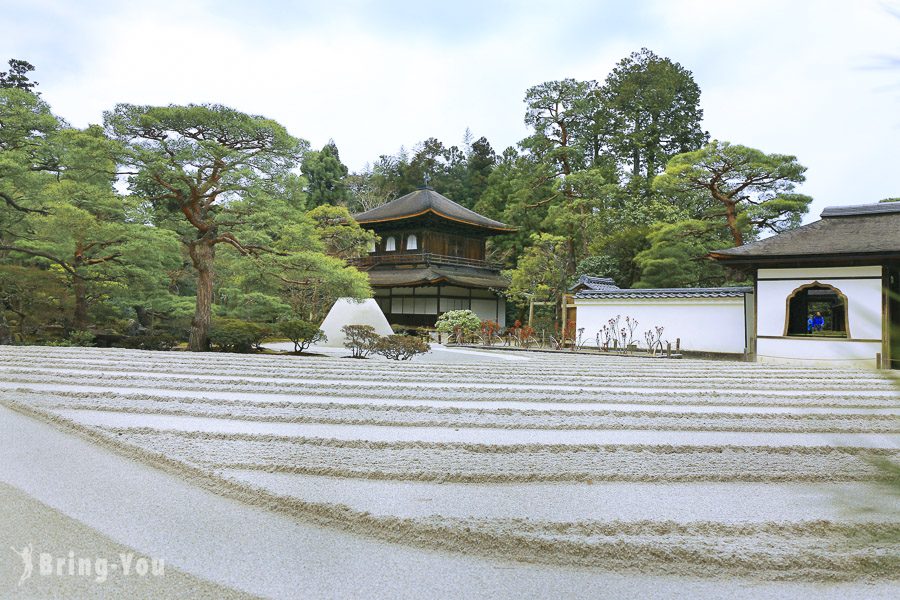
431, 259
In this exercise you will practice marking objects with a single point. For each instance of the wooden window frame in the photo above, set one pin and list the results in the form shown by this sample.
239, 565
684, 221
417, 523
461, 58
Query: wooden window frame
804, 287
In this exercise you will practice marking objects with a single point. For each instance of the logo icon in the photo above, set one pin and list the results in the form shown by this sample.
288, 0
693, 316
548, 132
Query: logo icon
27, 556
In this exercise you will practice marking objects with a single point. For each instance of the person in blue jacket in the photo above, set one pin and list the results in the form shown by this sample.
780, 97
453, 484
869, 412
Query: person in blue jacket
818, 322
809, 324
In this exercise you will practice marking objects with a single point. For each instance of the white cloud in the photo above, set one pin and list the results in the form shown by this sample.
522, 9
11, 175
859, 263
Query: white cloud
784, 77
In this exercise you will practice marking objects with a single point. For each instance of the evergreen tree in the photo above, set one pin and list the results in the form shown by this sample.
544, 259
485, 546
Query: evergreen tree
326, 177
753, 191
649, 111
17, 76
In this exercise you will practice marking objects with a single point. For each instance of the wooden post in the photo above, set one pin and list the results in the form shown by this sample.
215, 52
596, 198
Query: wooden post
565, 320
669, 349
878, 360
677, 344
530, 310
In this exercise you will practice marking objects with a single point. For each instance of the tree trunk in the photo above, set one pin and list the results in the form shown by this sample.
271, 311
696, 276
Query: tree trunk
5, 332
143, 317
731, 216
571, 264
80, 293
202, 255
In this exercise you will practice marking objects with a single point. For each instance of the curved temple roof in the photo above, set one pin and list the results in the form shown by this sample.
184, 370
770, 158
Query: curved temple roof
435, 275
426, 200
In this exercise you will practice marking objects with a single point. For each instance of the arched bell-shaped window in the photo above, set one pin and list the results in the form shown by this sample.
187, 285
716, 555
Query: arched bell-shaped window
412, 243
817, 310
390, 244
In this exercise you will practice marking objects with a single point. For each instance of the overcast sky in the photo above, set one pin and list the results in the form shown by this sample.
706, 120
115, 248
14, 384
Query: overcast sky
800, 77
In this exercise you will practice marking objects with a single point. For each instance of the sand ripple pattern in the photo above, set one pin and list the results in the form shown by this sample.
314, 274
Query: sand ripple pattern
119, 398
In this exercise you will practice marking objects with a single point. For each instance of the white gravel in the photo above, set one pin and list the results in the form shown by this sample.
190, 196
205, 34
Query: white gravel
612, 464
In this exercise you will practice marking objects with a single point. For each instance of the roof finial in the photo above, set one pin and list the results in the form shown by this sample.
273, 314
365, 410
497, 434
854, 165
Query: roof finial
427, 179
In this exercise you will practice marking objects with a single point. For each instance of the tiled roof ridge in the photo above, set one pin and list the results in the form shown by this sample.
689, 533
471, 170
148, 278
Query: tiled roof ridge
708, 292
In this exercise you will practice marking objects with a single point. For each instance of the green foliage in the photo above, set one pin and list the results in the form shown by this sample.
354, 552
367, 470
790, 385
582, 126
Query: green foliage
84, 339
677, 256
890, 200
34, 303
401, 347
17, 76
340, 234
302, 333
518, 193
326, 177
159, 341
259, 307
232, 335
480, 162
541, 272
62, 216
361, 339
756, 190
220, 177
649, 111
560, 113
459, 323
618, 250
459, 173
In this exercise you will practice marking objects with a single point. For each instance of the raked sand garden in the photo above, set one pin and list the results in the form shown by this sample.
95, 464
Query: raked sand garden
713, 474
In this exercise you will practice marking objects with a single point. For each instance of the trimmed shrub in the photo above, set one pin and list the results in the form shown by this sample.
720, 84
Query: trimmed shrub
303, 333
401, 347
150, 341
459, 323
231, 335
361, 339
76, 338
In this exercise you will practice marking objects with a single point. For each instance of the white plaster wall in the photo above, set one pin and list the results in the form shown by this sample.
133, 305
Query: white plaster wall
817, 352
815, 272
863, 304
864, 317
703, 324
493, 309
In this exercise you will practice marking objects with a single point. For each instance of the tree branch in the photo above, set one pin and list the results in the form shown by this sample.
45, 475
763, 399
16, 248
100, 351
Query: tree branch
12, 204
66, 267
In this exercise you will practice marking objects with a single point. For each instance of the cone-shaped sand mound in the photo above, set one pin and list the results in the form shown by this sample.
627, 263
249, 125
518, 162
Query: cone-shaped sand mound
348, 311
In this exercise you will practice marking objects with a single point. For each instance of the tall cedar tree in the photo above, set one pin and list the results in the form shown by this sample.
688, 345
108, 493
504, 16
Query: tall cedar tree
17, 76
649, 111
326, 177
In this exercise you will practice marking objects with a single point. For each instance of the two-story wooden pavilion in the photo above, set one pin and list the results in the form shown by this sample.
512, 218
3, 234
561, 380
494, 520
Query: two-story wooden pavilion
431, 259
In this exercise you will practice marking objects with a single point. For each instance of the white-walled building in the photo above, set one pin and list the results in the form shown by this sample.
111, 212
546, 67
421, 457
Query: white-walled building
828, 293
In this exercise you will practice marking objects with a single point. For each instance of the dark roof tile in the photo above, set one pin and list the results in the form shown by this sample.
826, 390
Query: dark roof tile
595, 283
466, 277
719, 292
427, 200
843, 230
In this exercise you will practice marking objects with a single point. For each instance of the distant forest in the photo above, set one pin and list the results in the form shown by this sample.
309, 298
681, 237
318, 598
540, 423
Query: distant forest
171, 224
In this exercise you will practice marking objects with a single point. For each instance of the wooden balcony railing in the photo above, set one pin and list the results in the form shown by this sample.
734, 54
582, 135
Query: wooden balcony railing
425, 258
